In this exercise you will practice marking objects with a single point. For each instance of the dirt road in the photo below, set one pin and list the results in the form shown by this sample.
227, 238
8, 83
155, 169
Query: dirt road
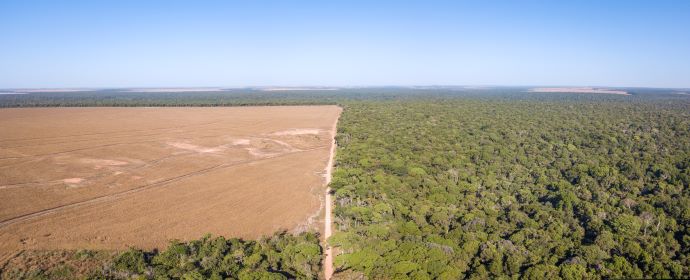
328, 223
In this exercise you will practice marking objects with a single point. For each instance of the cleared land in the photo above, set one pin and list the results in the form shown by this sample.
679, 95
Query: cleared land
578, 90
109, 178
173, 89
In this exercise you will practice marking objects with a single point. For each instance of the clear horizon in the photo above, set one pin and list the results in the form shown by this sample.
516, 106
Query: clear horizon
173, 44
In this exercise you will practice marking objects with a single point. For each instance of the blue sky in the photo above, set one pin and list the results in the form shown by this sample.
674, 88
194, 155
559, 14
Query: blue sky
343, 43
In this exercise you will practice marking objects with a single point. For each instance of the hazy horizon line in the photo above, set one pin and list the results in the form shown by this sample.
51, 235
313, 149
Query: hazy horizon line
468, 86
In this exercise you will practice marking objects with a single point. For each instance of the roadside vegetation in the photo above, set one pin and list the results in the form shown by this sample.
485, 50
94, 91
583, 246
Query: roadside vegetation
441, 184
281, 256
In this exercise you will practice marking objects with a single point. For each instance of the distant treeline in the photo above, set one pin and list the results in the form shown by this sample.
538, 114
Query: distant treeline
248, 97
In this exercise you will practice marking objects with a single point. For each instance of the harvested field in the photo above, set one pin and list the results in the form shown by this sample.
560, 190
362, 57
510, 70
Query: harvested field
110, 178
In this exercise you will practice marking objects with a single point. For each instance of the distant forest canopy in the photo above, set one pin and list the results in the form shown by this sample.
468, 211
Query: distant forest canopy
464, 184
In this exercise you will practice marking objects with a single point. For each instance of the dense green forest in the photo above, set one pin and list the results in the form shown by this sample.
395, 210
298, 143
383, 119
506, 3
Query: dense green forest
460, 184
481, 189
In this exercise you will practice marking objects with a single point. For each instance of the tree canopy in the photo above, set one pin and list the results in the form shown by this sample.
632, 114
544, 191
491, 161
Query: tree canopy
535, 189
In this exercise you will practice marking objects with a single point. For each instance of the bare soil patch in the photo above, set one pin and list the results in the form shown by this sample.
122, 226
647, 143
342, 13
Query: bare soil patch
70, 264
174, 89
579, 90
110, 178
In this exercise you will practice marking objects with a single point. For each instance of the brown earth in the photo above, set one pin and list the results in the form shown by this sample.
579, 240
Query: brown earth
110, 178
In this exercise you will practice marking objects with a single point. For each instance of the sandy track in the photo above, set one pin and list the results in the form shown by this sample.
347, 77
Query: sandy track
109, 178
328, 222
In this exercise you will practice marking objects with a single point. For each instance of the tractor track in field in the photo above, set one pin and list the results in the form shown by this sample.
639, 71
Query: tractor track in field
114, 196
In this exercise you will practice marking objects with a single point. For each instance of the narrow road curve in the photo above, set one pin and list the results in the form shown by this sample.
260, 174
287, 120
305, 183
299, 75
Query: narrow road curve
328, 223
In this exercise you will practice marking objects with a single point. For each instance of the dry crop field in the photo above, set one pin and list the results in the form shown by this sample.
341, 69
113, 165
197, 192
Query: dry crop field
109, 178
